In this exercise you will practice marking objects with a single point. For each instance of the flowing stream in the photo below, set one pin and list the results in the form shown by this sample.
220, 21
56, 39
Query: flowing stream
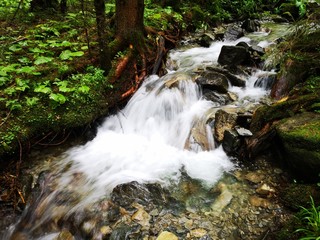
149, 141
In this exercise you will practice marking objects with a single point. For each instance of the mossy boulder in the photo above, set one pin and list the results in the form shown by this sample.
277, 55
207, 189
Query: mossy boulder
289, 11
284, 108
299, 136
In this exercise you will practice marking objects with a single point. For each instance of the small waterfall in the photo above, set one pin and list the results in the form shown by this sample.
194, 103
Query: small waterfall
145, 142
151, 140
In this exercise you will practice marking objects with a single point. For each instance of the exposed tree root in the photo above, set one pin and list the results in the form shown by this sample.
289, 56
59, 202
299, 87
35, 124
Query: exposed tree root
161, 51
138, 78
260, 141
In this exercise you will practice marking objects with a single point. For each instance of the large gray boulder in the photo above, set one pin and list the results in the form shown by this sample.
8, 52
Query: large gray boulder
214, 81
233, 55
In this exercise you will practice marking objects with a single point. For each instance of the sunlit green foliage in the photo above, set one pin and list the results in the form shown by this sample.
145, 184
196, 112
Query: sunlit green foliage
9, 7
310, 219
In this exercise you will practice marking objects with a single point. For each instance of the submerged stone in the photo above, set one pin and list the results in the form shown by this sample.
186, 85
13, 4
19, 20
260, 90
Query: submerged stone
259, 202
167, 236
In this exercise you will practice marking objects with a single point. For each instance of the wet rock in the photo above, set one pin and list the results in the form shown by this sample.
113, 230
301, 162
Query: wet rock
64, 235
259, 202
214, 81
19, 236
233, 96
172, 80
233, 55
234, 79
105, 230
188, 224
265, 190
145, 194
254, 49
233, 32
205, 40
224, 120
222, 200
243, 132
231, 141
167, 236
254, 177
265, 81
88, 227
217, 98
121, 232
251, 25
199, 137
206, 237
142, 218
198, 232
154, 213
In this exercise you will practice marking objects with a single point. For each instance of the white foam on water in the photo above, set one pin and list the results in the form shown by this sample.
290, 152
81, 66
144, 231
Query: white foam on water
145, 142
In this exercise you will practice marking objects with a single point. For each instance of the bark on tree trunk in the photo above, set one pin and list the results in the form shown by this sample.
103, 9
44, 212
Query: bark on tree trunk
129, 20
105, 60
37, 5
63, 6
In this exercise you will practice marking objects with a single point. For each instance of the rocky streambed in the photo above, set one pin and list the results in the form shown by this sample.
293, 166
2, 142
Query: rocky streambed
244, 204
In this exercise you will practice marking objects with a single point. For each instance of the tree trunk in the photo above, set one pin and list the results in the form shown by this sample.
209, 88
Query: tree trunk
63, 6
129, 20
38, 5
105, 60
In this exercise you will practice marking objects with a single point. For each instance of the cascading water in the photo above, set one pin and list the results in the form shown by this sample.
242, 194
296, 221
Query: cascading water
150, 140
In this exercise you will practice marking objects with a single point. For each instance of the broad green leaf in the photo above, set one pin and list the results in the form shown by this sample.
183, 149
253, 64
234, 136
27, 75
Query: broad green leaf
22, 85
13, 104
24, 60
42, 44
157, 16
65, 44
42, 89
10, 91
15, 48
77, 54
84, 89
3, 73
32, 101
58, 97
42, 59
67, 54
36, 50
27, 70
63, 86
3, 81
9, 68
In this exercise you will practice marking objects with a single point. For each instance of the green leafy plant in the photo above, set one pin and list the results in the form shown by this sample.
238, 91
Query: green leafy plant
68, 55
310, 218
302, 5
